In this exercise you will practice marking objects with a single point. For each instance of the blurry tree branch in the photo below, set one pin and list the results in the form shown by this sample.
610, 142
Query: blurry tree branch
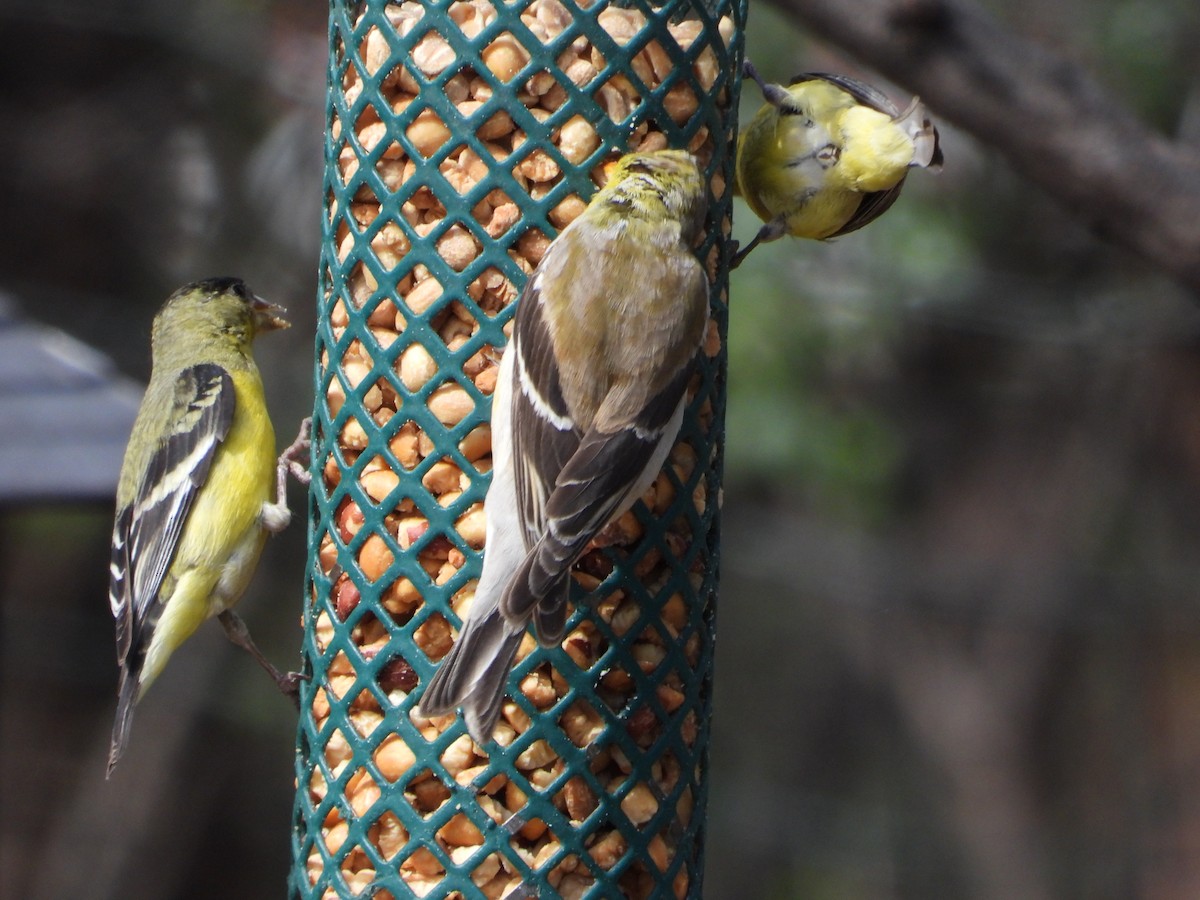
1044, 113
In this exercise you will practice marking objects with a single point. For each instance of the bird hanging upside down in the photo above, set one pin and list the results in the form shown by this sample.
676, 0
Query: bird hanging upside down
826, 155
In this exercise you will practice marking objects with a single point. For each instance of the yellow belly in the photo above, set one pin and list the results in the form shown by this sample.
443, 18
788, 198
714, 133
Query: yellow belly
223, 536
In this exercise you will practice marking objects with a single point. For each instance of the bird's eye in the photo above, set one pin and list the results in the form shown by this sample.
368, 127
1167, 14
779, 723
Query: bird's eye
828, 155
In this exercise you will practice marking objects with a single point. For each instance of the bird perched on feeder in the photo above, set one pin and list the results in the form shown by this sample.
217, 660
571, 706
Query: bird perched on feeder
194, 497
826, 155
589, 401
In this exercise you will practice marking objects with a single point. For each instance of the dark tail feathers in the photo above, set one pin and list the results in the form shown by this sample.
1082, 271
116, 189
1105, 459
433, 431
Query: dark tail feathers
126, 698
474, 673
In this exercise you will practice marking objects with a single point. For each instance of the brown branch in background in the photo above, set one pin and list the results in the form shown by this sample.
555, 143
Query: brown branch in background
1045, 114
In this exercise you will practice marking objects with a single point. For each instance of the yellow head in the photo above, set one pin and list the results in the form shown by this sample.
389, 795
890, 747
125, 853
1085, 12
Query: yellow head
660, 186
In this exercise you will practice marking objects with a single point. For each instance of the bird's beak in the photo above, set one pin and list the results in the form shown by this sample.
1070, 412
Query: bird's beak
268, 316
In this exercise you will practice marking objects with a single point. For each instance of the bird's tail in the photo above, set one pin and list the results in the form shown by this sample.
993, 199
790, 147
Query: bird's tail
916, 124
474, 673
127, 695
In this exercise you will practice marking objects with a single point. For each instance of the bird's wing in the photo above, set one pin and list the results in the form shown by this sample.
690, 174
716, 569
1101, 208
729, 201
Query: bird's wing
604, 477
870, 208
544, 435
863, 93
611, 469
575, 477
147, 529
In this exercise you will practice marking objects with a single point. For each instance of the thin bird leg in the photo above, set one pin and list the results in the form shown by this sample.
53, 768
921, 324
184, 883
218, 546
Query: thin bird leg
238, 633
276, 516
289, 459
772, 231
743, 252
772, 93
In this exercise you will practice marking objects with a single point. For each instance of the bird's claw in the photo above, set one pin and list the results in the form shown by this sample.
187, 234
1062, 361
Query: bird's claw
288, 462
289, 685
289, 459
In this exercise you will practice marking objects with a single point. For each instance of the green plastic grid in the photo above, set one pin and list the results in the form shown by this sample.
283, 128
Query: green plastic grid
687, 568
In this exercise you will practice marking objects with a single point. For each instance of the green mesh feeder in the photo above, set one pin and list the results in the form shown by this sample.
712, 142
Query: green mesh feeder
461, 138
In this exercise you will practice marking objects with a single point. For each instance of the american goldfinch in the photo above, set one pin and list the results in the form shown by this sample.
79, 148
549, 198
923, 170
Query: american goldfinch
589, 401
194, 498
827, 154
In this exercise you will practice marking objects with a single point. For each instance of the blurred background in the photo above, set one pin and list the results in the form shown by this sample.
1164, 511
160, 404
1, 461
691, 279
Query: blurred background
959, 621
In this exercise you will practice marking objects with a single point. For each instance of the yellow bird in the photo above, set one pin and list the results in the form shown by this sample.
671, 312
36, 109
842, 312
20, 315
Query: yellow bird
194, 501
826, 155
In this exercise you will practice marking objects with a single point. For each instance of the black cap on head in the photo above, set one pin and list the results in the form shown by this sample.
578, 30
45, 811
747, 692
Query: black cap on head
222, 285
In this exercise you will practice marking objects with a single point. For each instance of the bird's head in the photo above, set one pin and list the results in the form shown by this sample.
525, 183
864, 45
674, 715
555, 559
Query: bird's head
218, 308
663, 185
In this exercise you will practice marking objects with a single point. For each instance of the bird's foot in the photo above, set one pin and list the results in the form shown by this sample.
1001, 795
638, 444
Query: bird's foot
290, 460
276, 516
289, 685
